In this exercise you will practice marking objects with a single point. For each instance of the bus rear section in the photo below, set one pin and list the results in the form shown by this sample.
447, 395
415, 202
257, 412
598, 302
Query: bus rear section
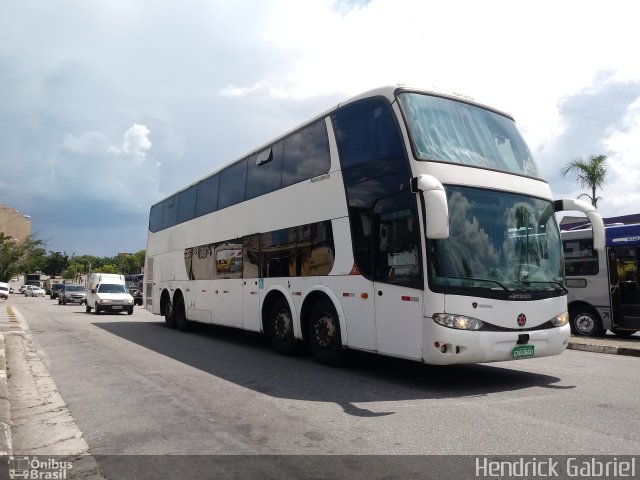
604, 292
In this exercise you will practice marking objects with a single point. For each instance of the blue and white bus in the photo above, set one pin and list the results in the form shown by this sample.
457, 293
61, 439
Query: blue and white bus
604, 293
403, 221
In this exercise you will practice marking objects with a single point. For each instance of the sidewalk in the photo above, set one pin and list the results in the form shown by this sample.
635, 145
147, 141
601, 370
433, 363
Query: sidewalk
608, 344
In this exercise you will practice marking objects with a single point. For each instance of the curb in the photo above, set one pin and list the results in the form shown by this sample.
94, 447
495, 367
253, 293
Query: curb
6, 441
588, 347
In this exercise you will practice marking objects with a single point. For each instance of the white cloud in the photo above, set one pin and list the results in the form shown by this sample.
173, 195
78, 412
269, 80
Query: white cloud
87, 142
136, 142
272, 64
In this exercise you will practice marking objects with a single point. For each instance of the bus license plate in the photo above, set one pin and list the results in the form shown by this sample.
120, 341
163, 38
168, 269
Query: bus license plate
522, 351
117, 307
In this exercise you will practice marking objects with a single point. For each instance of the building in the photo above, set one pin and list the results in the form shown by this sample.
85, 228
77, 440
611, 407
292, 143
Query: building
14, 223
572, 223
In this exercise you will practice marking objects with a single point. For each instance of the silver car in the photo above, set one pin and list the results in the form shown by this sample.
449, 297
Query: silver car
33, 291
72, 294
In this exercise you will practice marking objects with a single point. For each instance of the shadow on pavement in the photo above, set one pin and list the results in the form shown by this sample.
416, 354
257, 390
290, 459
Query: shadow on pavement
247, 359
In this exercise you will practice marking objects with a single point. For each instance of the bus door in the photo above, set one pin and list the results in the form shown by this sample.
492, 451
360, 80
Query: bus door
228, 285
251, 283
397, 277
628, 290
614, 290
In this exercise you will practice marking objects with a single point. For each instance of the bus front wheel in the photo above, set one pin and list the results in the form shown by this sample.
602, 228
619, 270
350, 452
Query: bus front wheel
179, 315
281, 329
586, 323
324, 334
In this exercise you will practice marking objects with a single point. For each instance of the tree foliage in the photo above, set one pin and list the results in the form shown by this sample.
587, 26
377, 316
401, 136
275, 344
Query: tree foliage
590, 173
19, 257
30, 256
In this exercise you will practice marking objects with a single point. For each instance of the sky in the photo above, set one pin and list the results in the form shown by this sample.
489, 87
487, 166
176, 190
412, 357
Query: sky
106, 107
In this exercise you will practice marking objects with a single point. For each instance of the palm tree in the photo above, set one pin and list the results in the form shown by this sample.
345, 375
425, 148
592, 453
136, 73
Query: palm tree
590, 173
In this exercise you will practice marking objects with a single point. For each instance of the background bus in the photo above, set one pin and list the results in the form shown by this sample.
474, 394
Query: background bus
403, 222
32, 279
604, 293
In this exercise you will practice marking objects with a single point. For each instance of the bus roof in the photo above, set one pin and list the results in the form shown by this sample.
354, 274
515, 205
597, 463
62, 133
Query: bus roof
388, 91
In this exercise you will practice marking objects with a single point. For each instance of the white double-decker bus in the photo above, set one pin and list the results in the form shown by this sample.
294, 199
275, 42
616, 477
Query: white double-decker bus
404, 222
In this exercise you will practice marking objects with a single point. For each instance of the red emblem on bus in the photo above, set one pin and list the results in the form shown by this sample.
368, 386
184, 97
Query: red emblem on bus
522, 319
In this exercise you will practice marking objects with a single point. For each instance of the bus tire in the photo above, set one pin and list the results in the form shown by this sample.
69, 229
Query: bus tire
169, 315
585, 322
324, 334
180, 315
280, 328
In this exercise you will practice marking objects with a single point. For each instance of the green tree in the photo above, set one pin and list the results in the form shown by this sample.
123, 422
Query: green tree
590, 174
20, 257
55, 263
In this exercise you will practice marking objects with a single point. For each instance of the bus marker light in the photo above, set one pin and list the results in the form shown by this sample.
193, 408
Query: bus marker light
436, 344
347, 294
407, 298
364, 296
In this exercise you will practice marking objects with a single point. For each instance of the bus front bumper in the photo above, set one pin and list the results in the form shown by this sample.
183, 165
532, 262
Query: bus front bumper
443, 346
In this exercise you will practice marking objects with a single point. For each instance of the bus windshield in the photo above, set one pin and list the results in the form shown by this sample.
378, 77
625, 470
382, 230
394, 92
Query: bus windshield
497, 241
452, 131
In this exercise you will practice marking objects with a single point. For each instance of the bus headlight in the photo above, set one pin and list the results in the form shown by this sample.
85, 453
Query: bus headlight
560, 320
461, 322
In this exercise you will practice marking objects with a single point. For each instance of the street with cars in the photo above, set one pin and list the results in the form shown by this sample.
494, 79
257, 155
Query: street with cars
134, 386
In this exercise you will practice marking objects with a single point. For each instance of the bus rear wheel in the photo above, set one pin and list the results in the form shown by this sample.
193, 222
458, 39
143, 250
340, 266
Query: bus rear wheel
169, 315
280, 329
585, 322
324, 334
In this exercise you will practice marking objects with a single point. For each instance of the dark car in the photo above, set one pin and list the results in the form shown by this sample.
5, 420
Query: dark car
72, 294
135, 290
55, 290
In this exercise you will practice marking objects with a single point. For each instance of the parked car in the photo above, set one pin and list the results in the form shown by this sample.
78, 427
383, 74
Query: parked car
72, 294
33, 291
4, 290
22, 289
55, 290
135, 290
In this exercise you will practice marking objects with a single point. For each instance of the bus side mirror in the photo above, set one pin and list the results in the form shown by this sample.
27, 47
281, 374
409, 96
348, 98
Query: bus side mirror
435, 205
597, 225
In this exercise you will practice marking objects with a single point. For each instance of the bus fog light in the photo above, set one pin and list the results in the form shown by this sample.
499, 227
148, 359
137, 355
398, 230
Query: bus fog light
560, 320
460, 322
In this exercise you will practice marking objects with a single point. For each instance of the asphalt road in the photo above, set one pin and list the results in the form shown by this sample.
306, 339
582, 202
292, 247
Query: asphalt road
134, 386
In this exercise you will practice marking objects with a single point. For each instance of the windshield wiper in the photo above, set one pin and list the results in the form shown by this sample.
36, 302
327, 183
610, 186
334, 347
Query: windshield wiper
552, 282
482, 280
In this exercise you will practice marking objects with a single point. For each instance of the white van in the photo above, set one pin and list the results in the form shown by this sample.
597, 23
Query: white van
107, 292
